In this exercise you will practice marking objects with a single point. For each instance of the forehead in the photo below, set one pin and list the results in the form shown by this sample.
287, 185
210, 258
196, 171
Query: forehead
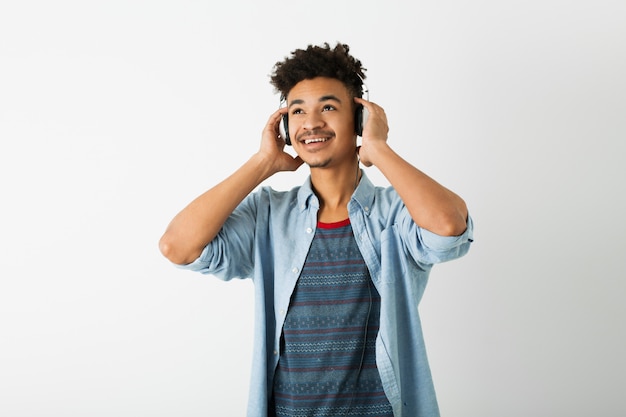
317, 88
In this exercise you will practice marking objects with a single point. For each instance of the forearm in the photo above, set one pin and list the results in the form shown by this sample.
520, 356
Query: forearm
432, 206
198, 223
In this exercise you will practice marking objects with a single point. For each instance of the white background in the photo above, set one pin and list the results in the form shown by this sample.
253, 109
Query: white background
115, 114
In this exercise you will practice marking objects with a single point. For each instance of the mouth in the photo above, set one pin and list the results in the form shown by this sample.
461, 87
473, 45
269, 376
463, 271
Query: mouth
315, 140
313, 137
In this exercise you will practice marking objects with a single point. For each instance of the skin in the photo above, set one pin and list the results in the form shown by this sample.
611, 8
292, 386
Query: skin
320, 110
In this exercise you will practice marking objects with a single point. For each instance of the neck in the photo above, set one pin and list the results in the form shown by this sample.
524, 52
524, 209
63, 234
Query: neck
334, 188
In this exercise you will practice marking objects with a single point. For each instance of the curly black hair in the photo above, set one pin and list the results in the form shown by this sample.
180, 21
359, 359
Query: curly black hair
319, 61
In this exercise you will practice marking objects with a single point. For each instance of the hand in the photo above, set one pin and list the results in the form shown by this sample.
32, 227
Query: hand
273, 146
374, 132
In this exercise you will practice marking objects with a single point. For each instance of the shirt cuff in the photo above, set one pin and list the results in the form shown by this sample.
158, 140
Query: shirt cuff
199, 264
442, 243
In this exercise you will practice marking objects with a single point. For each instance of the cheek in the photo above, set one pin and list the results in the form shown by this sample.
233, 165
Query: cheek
342, 125
346, 129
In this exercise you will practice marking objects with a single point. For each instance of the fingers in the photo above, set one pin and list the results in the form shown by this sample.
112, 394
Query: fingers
376, 123
274, 119
373, 108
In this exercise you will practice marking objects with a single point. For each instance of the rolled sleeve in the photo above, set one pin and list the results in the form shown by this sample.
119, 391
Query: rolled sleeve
442, 243
201, 264
230, 254
431, 248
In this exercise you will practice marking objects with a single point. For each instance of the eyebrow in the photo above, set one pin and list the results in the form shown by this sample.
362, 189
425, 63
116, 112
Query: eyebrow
329, 97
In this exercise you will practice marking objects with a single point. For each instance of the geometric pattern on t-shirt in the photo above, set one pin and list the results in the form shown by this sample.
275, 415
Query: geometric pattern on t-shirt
327, 365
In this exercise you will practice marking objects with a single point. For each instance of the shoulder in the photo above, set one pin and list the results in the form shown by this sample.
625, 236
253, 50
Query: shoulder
368, 194
266, 198
269, 193
385, 198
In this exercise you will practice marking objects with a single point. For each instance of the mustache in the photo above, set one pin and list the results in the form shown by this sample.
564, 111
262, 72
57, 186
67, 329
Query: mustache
315, 132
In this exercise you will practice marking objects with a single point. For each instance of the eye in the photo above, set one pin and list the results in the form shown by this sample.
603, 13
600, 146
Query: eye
296, 111
328, 107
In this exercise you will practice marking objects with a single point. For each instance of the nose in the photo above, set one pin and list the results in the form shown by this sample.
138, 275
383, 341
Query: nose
313, 121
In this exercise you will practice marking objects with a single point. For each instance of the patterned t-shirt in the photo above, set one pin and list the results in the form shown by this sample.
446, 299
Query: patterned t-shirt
327, 365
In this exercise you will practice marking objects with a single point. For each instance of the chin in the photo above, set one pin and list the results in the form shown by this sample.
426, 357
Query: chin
318, 164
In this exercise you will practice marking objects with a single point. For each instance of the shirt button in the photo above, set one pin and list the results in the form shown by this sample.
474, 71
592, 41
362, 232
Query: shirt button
367, 209
309, 230
275, 353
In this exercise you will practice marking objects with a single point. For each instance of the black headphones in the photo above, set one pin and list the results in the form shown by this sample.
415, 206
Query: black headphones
360, 116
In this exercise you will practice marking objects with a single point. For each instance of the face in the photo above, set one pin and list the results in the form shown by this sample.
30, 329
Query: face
321, 122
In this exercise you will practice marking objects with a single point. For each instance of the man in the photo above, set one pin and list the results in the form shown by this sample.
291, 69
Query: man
339, 265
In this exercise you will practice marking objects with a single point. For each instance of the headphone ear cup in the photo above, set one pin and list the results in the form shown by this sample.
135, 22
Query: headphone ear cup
358, 120
284, 129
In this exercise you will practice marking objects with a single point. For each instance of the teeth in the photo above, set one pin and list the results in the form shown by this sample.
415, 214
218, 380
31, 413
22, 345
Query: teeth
307, 141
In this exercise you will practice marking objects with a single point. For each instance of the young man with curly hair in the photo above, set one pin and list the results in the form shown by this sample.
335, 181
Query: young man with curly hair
339, 265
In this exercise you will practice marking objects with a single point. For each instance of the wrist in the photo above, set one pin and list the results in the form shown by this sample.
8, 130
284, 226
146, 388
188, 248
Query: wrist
376, 152
262, 164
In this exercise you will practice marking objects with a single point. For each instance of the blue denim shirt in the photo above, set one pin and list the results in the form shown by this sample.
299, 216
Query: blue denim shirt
267, 239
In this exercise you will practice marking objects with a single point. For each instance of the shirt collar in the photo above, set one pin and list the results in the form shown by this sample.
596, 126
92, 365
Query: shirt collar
363, 195
306, 196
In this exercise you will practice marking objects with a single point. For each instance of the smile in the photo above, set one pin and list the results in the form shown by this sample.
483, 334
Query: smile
316, 140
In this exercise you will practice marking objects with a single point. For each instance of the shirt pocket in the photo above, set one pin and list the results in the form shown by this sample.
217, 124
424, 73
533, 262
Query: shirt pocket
393, 257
